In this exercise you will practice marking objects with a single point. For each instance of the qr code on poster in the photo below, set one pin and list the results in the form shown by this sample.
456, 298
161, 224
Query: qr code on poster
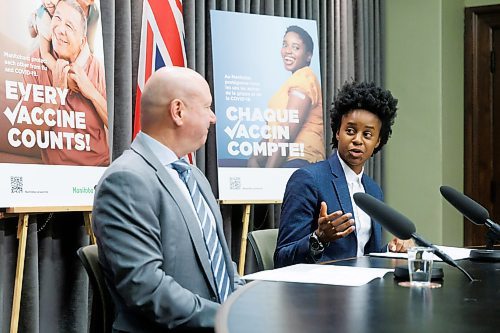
16, 184
235, 183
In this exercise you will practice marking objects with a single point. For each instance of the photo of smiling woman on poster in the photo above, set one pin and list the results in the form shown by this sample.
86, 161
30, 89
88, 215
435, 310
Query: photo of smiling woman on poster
300, 92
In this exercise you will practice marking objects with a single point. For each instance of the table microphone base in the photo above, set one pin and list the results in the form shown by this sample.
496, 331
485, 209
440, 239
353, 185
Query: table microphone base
401, 273
484, 255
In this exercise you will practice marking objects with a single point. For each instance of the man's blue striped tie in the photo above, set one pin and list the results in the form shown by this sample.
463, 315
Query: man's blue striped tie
210, 236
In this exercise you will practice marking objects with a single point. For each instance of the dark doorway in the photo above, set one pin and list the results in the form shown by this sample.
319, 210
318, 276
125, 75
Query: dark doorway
482, 115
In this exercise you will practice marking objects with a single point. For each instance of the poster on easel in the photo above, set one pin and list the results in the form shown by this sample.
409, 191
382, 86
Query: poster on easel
268, 102
53, 110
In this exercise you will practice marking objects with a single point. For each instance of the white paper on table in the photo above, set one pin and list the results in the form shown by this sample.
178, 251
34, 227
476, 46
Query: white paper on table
321, 274
456, 253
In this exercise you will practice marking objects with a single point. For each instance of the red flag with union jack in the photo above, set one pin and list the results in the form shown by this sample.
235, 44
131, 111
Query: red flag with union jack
162, 44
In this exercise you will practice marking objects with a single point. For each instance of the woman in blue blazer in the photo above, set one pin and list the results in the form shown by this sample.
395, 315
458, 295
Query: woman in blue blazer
319, 220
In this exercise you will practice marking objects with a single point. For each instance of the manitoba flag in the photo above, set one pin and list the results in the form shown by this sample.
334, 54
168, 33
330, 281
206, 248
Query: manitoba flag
162, 44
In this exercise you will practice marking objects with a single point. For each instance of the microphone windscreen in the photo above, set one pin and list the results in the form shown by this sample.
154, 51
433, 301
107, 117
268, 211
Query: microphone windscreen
395, 222
469, 208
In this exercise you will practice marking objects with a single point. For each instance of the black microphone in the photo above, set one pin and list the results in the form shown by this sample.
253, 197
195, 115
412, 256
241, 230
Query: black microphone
473, 211
399, 225
395, 222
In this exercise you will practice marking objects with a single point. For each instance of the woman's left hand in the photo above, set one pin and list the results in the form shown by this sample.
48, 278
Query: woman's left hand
400, 245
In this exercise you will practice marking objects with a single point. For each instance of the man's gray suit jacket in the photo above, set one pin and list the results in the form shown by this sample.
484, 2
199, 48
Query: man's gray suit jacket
151, 246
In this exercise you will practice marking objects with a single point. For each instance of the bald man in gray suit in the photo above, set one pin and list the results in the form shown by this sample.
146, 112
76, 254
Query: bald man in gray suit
151, 244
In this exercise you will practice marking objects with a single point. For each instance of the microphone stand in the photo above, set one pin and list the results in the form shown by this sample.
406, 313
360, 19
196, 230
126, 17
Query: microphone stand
446, 258
493, 234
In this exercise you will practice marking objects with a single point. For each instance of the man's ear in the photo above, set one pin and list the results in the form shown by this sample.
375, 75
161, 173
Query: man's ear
177, 111
337, 134
84, 41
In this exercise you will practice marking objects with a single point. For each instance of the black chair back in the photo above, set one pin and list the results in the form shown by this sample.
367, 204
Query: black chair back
102, 316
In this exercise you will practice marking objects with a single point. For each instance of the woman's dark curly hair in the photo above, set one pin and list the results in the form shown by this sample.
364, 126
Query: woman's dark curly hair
366, 96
